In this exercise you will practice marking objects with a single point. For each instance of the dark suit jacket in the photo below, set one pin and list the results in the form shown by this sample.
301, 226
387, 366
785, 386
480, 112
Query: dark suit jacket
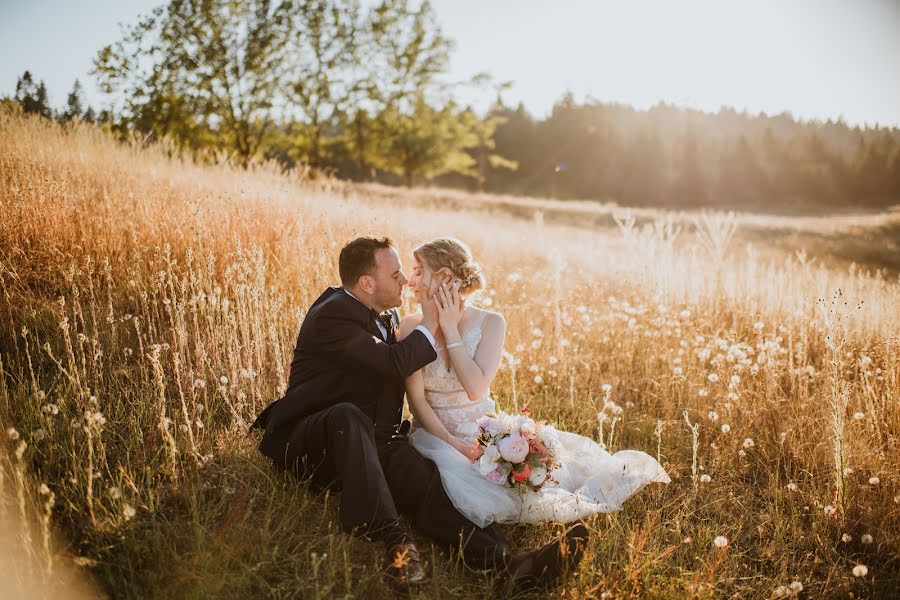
341, 357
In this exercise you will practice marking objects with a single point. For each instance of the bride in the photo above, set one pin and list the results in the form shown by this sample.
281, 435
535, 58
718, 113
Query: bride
447, 396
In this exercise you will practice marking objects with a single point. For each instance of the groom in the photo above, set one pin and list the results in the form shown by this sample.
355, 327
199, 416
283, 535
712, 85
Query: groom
340, 424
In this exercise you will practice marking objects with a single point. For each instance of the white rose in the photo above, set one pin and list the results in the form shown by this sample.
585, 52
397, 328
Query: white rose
488, 461
538, 475
492, 453
528, 429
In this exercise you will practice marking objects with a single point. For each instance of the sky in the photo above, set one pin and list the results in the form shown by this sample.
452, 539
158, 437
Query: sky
817, 59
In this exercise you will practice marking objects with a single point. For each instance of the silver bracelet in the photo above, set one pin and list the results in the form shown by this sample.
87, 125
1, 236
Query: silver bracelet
455, 345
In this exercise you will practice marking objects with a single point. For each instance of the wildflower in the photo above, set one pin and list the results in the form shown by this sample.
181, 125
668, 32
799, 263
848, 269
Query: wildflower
731, 396
758, 325
99, 419
720, 541
830, 510
703, 392
782, 591
677, 371
726, 428
858, 416
866, 538
12, 433
705, 478
713, 416
43, 489
846, 538
128, 512
40, 434
796, 587
792, 487
866, 361
538, 379
553, 360
115, 493
606, 388
748, 443
223, 380
199, 383
735, 379
742, 453
860, 571
536, 344
684, 314
874, 480
687, 540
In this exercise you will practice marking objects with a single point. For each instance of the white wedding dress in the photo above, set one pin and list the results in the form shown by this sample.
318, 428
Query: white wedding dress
589, 480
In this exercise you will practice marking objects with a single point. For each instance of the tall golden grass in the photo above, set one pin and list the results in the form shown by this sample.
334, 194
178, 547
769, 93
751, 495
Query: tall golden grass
149, 308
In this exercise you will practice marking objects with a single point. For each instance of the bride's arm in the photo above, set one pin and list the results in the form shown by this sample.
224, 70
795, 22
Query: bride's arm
418, 405
477, 374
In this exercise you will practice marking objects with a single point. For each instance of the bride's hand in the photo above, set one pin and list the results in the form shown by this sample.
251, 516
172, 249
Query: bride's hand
473, 452
450, 308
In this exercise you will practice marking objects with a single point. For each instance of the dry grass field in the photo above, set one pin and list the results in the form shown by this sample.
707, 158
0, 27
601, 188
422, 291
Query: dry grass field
148, 308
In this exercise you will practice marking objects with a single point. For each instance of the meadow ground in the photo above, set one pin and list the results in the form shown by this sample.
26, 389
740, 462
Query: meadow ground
149, 307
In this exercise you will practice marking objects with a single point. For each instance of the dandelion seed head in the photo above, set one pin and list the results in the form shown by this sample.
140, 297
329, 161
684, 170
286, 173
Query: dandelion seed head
748, 443
726, 428
705, 478
128, 512
720, 542
866, 538
846, 538
12, 433
860, 571
792, 487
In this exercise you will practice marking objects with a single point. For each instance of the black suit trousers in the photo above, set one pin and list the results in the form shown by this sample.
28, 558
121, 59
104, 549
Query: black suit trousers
336, 447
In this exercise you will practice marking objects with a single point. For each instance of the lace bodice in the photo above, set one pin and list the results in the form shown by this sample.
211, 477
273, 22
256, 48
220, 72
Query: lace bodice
446, 394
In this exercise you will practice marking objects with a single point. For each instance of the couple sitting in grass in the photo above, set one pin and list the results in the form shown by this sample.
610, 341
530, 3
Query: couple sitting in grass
462, 467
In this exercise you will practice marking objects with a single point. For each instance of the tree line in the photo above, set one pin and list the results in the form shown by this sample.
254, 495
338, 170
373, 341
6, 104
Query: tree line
362, 93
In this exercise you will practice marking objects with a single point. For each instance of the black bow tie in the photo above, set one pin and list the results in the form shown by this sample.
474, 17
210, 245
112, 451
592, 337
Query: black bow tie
386, 319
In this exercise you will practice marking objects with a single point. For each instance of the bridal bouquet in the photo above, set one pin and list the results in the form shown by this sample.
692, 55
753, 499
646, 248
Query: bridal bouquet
516, 455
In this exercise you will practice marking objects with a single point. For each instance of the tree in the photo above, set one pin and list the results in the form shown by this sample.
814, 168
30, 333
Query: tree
74, 104
32, 97
426, 141
405, 52
208, 66
323, 66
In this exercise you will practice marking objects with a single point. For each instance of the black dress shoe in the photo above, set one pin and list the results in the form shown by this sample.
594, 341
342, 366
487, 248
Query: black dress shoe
543, 567
404, 567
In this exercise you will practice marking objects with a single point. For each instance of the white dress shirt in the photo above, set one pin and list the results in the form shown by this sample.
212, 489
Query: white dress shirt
384, 333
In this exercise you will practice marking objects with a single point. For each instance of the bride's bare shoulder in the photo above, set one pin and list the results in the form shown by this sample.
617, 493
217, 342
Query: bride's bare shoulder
492, 319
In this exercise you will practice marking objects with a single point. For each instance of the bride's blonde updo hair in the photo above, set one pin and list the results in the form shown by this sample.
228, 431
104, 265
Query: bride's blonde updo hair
456, 257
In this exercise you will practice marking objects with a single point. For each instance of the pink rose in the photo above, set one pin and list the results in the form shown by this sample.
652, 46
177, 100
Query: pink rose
513, 448
496, 477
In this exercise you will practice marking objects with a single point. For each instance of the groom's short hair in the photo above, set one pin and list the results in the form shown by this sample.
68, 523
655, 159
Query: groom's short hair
358, 258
